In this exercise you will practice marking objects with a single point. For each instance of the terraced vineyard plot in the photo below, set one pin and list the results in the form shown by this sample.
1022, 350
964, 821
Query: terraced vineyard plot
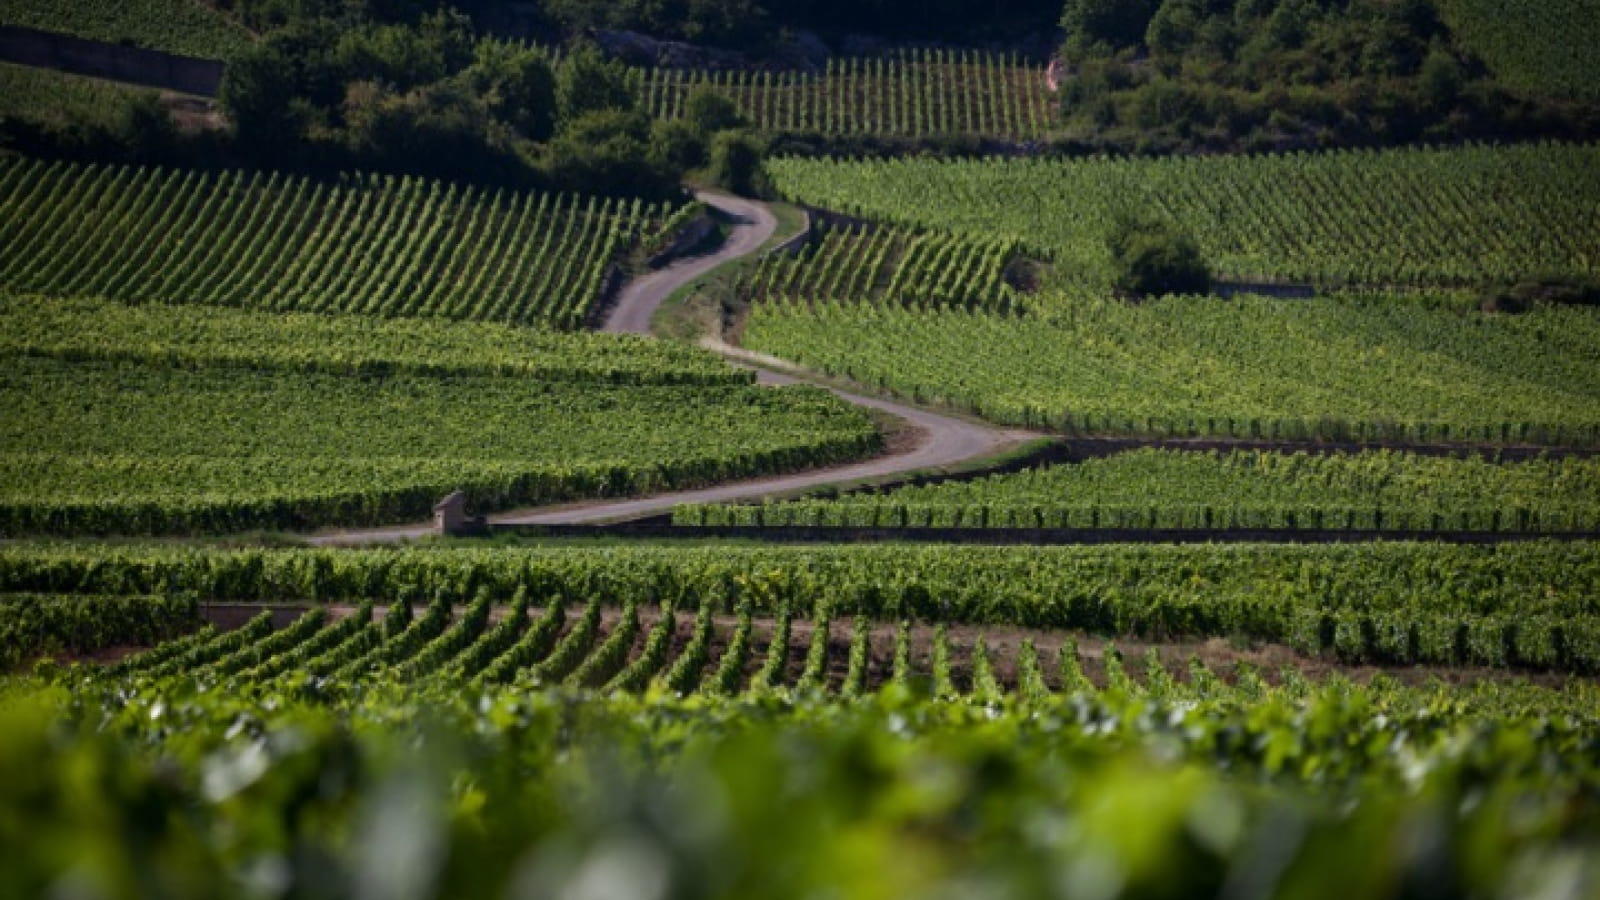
1531, 606
914, 94
206, 337
926, 269
375, 245
185, 27
1369, 368
55, 99
1243, 489
125, 447
1395, 217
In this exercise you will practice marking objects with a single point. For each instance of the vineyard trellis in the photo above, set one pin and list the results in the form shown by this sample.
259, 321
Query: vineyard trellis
913, 93
1525, 606
368, 244
1242, 489
856, 263
123, 446
1370, 368
1414, 216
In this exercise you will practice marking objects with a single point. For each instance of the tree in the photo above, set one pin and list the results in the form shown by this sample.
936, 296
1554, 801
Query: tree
1173, 27
709, 111
736, 162
258, 94
677, 146
1153, 258
608, 152
589, 83
440, 130
518, 87
146, 128
1441, 78
1099, 25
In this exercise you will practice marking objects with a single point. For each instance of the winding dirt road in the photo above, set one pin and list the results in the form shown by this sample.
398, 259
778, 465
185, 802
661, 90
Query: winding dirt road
940, 440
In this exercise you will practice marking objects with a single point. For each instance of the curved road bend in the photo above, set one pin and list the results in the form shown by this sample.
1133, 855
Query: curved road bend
943, 440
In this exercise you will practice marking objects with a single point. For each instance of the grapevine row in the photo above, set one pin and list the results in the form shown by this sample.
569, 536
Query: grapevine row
366, 244
1415, 216
1243, 489
919, 270
921, 93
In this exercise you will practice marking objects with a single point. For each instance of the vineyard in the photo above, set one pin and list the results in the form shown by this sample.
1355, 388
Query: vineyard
386, 772
191, 337
910, 94
476, 644
126, 442
1544, 47
547, 708
916, 269
374, 245
221, 675
57, 100
1374, 368
1392, 217
1242, 489
184, 27
1526, 606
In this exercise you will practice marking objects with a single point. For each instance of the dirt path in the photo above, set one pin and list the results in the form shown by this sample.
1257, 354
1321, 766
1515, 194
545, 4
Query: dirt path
752, 225
940, 440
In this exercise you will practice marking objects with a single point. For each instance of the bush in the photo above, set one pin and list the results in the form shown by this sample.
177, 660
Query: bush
1519, 297
518, 86
608, 152
1152, 258
736, 162
676, 145
590, 83
708, 111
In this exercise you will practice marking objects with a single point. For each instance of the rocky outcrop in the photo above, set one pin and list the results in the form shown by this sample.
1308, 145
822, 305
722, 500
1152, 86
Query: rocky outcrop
638, 49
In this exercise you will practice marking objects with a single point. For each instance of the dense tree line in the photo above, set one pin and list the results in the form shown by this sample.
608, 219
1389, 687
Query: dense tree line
1162, 75
754, 25
737, 24
434, 99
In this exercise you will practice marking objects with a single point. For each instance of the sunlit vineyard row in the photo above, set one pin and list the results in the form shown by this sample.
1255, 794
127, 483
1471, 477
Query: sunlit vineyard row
479, 643
1375, 368
922, 93
190, 336
1242, 489
1527, 605
918, 269
133, 446
377, 245
1413, 216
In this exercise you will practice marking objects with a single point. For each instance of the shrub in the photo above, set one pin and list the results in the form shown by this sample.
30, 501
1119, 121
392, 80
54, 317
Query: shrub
1152, 258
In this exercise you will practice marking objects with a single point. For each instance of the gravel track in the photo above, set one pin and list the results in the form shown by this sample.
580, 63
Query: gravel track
941, 440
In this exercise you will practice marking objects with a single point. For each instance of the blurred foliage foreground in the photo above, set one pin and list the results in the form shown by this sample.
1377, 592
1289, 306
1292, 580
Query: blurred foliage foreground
129, 787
